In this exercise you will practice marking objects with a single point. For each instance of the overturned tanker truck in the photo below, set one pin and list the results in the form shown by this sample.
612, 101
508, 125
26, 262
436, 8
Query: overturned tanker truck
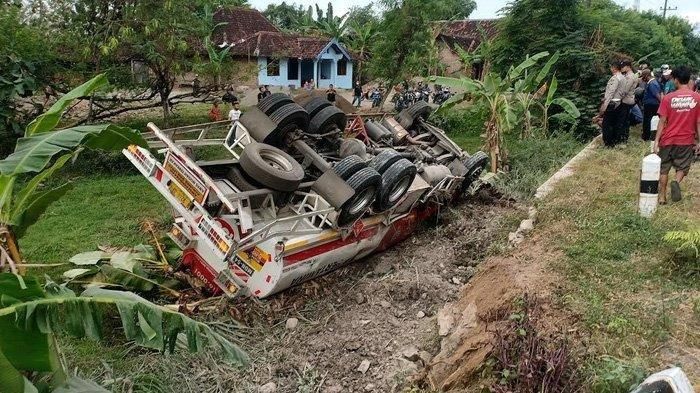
302, 189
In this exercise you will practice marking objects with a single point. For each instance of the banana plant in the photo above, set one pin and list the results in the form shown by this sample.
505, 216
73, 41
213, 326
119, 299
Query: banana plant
506, 98
44, 150
570, 111
31, 316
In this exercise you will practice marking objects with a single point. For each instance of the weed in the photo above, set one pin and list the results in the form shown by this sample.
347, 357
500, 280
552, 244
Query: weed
611, 375
526, 360
308, 380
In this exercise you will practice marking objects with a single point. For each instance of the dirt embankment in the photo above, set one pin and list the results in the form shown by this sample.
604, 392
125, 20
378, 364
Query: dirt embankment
467, 324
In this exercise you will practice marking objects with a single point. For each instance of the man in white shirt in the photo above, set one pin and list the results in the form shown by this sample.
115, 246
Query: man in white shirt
235, 113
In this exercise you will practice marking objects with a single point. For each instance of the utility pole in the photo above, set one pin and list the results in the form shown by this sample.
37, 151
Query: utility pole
667, 8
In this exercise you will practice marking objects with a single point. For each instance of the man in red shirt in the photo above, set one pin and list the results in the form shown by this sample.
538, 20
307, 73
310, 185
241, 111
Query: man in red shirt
678, 134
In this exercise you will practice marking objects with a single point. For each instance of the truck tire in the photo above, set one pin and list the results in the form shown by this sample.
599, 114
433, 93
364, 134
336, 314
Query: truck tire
326, 120
290, 117
315, 105
382, 161
476, 164
272, 167
244, 183
366, 183
273, 102
396, 181
408, 117
348, 166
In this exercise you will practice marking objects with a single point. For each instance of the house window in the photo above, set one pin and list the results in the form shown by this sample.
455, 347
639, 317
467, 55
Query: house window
273, 67
342, 67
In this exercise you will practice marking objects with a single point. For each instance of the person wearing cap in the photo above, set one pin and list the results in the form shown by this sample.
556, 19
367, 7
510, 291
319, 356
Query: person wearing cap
629, 85
678, 138
650, 102
669, 85
610, 110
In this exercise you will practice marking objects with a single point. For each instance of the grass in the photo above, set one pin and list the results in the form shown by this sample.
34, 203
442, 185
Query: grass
104, 210
620, 278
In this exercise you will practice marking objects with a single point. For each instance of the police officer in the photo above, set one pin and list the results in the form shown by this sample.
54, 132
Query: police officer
610, 113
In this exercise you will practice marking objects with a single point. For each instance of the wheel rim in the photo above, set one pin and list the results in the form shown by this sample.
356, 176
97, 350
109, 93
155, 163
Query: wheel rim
276, 160
399, 189
362, 201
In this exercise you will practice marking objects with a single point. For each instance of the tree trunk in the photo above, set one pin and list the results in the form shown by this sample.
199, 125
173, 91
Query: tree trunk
8, 238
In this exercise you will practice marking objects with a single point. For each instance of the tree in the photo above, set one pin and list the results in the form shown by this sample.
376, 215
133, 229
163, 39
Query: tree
284, 15
26, 62
44, 151
362, 16
406, 36
164, 35
361, 39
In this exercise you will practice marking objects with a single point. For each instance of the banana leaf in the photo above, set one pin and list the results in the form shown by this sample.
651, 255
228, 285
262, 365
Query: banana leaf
145, 323
49, 120
34, 152
22, 349
7, 185
89, 258
515, 72
134, 281
568, 106
36, 206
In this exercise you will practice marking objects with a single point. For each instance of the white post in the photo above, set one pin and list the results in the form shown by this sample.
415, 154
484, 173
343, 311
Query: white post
649, 185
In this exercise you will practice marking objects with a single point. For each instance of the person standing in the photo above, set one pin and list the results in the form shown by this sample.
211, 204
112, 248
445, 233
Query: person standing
629, 85
261, 93
215, 112
678, 137
235, 113
357, 94
650, 103
266, 91
609, 112
331, 93
669, 85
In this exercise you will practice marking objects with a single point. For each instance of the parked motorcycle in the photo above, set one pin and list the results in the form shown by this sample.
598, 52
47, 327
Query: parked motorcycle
441, 94
376, 97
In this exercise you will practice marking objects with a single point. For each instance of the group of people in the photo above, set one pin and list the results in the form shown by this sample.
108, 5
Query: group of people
673, 95
231, 99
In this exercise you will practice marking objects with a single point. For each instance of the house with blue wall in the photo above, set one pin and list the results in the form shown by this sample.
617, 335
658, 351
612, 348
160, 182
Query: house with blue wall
283, 59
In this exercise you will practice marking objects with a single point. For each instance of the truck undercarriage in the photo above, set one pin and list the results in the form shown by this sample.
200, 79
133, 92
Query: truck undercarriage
301, 190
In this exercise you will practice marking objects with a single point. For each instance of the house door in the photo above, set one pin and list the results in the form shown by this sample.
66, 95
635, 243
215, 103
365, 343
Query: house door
293, 70
325, 70
307, 70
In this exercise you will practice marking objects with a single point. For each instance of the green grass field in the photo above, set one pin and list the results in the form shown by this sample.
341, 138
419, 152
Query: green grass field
631, 297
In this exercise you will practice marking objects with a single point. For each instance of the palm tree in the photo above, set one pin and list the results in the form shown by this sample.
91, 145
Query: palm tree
360, 40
